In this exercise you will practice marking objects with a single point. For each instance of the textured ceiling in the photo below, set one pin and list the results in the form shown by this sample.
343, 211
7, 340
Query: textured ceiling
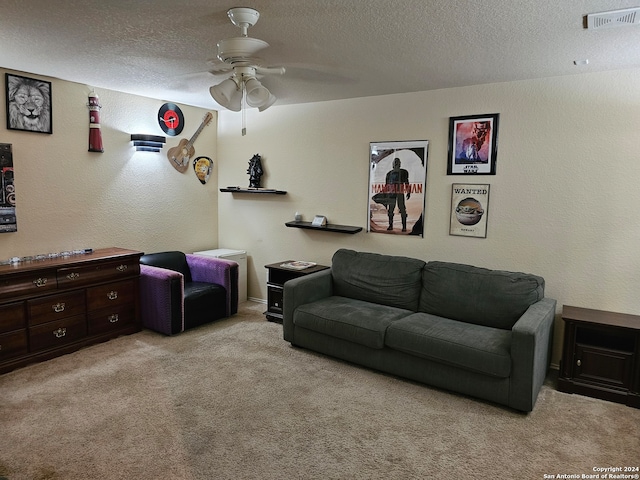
333, 49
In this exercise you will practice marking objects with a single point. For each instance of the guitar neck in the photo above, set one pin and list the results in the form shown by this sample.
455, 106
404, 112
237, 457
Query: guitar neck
195, 135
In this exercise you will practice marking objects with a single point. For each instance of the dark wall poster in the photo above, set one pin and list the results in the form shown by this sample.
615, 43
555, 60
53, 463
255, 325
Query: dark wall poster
7, 190
397, 187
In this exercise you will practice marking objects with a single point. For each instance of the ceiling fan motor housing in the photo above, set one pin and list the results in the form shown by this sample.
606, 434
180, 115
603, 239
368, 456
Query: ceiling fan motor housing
239, 49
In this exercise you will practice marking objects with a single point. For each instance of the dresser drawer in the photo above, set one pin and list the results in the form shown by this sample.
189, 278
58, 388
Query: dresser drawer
113, 319
12, 317
13, 344
58, 333
111, 295
54, 307
101, 272
34, 283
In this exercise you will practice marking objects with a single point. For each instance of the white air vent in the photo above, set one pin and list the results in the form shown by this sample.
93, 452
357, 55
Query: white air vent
614, 18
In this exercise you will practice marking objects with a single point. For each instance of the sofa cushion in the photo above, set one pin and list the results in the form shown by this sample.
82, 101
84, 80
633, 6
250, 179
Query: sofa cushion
494, 298
203, 303
353, 320
389, 280
472, 347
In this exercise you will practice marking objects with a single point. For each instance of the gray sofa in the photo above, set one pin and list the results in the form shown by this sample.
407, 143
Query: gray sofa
480, 332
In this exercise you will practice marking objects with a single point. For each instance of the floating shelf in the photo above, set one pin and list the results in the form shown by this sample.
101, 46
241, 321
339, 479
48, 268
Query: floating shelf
327, 228
253, 190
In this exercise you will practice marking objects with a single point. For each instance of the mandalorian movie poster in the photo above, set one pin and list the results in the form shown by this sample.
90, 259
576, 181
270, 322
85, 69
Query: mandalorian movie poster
397, 187
7, 191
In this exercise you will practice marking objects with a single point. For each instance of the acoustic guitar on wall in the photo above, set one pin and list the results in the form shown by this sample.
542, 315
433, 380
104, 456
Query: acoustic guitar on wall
180, 155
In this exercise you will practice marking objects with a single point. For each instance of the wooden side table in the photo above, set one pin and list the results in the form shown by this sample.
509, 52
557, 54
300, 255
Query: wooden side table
601, 355
276, 278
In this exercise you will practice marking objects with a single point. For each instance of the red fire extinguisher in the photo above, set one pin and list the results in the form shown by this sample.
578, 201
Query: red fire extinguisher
95, 134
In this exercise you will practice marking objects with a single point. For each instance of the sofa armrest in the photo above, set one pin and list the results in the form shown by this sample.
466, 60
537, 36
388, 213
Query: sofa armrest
217, 270
531, 353
162, 299
303, 290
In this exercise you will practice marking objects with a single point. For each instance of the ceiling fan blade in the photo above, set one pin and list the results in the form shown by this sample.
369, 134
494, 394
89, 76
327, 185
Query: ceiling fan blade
317, 73
220, 68
270, 70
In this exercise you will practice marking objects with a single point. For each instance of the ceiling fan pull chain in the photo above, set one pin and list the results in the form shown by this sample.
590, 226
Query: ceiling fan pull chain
244, 108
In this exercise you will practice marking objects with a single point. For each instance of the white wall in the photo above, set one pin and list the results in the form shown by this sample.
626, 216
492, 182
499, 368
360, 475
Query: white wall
562, 204
70, 198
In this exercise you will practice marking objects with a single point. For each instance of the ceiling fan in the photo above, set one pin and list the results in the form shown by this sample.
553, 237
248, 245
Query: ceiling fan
238, 57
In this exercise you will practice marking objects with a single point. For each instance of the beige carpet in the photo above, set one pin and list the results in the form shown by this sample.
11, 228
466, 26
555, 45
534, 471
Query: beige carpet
232, 400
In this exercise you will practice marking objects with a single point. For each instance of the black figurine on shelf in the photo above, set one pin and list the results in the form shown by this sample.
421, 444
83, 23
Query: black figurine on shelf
255, 171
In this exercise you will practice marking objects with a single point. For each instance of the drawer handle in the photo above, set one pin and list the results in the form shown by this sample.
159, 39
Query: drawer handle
113, 318
40, 282
578, 363
58, 307
112, 295
121, 268
59, 333
73, 276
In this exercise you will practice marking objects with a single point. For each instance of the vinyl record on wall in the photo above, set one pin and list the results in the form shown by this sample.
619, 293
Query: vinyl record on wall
171, 119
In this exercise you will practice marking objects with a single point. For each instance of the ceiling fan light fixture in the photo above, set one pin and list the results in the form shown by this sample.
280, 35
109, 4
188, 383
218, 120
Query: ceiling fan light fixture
235, 103
239, 55
271, 101
257, 94
224, 92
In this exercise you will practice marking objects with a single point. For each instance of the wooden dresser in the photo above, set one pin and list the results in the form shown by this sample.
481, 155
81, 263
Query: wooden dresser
58, 305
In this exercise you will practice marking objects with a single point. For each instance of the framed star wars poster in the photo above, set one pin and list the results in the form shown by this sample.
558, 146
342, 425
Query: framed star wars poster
397, 187
473, 145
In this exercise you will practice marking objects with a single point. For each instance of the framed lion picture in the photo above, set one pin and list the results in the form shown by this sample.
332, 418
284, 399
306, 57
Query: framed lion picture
28, 104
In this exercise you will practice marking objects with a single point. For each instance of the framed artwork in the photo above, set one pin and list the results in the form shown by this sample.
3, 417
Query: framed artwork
28, 104
469, 210
397, 187
7, 191
473, 145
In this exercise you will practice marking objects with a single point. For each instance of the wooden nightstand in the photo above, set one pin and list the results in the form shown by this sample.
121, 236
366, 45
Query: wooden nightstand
277, 276
601, 355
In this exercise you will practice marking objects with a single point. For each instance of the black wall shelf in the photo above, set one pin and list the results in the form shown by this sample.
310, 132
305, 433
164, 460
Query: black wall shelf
254, 190
327, 228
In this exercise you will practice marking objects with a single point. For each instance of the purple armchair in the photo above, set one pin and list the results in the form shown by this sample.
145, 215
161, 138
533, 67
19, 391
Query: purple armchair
180, 291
